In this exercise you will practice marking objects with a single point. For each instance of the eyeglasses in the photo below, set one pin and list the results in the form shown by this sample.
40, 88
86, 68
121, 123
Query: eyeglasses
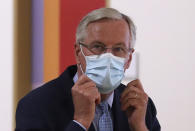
98, 49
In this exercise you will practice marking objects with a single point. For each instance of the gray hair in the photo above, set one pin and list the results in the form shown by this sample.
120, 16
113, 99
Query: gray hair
104, 13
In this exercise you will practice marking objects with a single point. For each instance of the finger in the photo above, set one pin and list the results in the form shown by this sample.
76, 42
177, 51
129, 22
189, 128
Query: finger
83, 79
87, 84
80, 89
136, 83
135, 103
133, 93
126, 91
98, 99
142, 101
93, 94
129, 104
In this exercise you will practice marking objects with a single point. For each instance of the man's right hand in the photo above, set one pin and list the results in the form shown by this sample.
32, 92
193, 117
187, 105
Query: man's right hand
85, 98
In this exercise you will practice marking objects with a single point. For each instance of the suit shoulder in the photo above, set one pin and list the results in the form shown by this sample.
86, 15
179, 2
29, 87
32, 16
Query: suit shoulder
152, 107
38, 95
53, 91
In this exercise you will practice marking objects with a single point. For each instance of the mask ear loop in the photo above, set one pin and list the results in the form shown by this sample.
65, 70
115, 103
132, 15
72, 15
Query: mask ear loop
81, 69
85, 59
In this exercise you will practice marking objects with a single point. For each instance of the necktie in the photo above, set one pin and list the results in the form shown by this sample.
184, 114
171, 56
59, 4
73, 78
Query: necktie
105, 121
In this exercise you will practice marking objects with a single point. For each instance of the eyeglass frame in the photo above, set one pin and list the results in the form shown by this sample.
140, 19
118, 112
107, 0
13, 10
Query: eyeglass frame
105, 49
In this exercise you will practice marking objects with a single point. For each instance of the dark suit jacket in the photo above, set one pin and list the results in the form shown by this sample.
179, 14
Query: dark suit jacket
50, 108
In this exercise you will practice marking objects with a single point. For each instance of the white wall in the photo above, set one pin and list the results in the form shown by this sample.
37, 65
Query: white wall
166, 45
6, 64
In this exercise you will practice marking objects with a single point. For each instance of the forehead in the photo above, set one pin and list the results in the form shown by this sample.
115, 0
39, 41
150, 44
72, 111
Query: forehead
108, 31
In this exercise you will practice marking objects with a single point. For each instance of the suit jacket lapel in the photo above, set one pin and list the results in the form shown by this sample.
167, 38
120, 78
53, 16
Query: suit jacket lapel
91, 128
120, 119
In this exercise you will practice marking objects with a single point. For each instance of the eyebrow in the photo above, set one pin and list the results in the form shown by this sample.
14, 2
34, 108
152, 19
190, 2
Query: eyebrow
99, 42
96, 41
120, 44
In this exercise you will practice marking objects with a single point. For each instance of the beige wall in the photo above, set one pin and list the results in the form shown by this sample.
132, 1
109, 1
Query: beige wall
22, 49
166, 47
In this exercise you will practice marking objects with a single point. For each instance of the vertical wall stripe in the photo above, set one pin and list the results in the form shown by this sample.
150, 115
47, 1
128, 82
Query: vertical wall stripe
22, 49
108, 3
71, 12
51, 39
37, 42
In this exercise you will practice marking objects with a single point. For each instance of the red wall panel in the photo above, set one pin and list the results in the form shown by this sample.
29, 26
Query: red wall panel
71, 12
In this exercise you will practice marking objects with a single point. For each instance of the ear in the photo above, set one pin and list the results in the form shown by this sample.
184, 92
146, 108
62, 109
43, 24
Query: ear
127, 64
77, 51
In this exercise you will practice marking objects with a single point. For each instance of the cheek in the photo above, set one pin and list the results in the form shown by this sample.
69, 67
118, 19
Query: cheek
126, 66
127, 63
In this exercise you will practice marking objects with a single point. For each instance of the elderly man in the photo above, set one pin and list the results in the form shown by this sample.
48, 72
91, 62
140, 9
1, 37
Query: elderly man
89, 95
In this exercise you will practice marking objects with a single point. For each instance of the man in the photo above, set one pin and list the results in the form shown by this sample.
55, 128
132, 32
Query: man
89, 96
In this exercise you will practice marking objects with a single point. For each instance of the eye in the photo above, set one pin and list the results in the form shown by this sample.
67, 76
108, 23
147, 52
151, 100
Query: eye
98, 47
118, 49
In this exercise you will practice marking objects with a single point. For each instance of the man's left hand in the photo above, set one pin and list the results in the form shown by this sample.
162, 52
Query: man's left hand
134, 101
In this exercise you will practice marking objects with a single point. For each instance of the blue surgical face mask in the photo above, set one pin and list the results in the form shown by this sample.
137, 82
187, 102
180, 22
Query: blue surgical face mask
106, 70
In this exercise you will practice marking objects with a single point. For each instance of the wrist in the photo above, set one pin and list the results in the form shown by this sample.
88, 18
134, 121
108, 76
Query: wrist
140, 127
83, 122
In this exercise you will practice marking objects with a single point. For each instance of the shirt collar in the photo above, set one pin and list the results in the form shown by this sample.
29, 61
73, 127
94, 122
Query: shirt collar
109, 99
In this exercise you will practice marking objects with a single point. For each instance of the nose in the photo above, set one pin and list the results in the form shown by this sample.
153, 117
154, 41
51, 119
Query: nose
108, 50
